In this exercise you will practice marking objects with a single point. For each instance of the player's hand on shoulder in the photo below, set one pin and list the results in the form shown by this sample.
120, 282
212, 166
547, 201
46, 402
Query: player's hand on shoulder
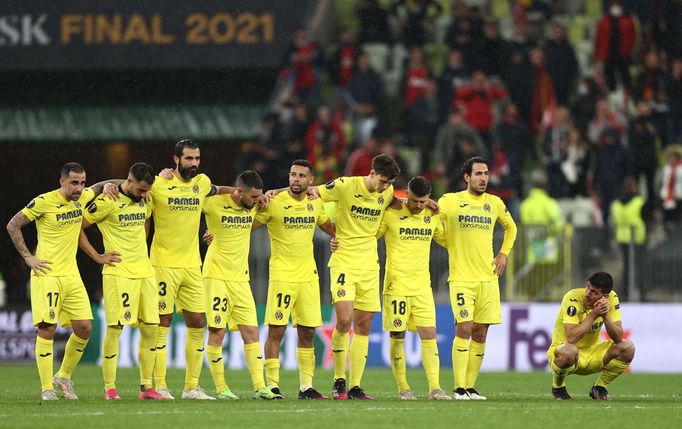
166, 173
39, 266
396, 203
208, 238
333, 244
109, 258
111, 190
312, 192
433, 205
264, 200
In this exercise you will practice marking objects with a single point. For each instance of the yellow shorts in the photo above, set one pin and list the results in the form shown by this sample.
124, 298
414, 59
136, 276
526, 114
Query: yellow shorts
229, 303
359, 286
476, 301
59, 298
300, 300
590, 359
181, 287
409, 312
128, 301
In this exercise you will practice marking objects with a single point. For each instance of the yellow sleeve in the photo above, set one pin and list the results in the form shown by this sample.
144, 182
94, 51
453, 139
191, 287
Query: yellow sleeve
509, 228
35, 208
614, 304
324, 217
442, 203
263, 215
439, 235
383, 226
333, 189
569, 310
97, 210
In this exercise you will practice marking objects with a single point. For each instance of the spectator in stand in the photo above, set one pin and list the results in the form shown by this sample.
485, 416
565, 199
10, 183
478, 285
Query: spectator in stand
517, 74
604, 118
651, 85
305, 60
415, 77
477, 101
415, 18
584, 106
360, 160
671, 189
501, 181
455, 74
300, 126
449, 141
561, 62
615, 41
543, 98
342, 62
373, 23
576, 164
517, 142
365, 91
492, 50
612, 166
422, 123
464, 34
555, 142
675, 93
388, 146
325, 144
642, 144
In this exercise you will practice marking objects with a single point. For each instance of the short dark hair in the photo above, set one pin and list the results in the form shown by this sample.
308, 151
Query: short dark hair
385, 166
602, 281
71, 167
468, 166
249, 179
142, 172
182, 144
419, 186
304, 163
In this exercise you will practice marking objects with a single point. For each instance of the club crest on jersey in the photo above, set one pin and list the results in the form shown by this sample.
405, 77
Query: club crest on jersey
217, 320
162, 305
341, 293
486, 207
52, 314
195, 189
330, 184
380, 200
92, 208
427, 219
397, 323
463, 313
31, 204
279, 315
127, 315
76, 204
310, 207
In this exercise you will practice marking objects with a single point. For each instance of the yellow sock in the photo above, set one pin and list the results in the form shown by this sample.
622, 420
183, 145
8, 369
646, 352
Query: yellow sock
272, 372
217, 367
431, 363
358, 358
612, 370
194, 356
460, 356
44, 361
306, 367
161, 359
476, 352
110, 356
146, 353
72, 355
340, 353
558, 375
254, 360
398, 365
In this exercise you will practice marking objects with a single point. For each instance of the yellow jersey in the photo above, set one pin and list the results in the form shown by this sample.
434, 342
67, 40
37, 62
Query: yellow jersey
291, 226
573, 311
408, 249
122, 226
177, 213
358, 215
469, 222
58, 223
227, 258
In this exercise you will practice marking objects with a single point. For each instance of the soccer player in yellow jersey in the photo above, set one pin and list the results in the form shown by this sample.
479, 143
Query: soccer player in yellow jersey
576, 348
469, 217
293, 288
354, 267
130, 293
57, 291
177, 263
408, 298
229, 299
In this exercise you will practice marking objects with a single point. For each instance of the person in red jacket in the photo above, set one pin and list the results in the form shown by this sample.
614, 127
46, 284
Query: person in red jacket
477, 101
615, 41
325, 144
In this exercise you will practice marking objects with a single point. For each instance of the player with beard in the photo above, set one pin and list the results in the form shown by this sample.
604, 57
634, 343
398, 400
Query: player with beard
229, 300
294, 288
469, 217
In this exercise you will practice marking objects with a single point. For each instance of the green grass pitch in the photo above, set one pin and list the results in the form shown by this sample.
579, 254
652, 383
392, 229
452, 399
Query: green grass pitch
516, 400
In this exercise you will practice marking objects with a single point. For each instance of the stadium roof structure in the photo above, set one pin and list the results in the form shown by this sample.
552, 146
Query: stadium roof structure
119, 122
